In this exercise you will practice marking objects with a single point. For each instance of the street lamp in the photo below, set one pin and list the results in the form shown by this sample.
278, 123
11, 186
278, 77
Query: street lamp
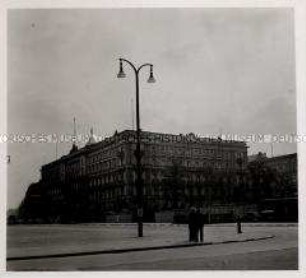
139, 182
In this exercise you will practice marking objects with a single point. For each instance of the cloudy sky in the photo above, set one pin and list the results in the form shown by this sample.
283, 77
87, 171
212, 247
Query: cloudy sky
217, 70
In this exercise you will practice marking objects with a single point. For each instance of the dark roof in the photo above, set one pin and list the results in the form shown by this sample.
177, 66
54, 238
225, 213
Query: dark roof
292, 155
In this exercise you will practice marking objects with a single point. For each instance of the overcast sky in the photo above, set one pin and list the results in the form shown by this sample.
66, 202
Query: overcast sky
229, 70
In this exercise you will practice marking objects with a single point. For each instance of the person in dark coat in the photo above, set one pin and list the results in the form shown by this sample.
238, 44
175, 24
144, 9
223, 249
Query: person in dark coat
192, 224
200, 218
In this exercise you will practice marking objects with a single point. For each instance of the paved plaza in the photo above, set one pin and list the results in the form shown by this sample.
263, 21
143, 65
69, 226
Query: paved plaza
36, 247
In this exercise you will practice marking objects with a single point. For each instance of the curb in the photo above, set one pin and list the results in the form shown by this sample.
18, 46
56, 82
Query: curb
165, 224
118, 251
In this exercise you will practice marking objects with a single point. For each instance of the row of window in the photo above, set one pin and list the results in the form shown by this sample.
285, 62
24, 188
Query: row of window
156, 161
170, 149
96, 165
100, 195
105, 153
100, 166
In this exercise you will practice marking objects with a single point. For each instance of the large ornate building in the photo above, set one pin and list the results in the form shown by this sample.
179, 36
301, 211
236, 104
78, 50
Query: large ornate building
177, 171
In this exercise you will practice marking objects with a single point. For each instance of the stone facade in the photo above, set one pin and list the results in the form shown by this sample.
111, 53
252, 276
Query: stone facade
175, 169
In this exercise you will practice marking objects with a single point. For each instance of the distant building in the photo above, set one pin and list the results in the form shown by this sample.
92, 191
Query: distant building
275, 181
100, 177
284, 166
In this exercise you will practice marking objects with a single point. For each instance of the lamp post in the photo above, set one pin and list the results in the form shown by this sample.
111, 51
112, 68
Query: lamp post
139, 182
239, 216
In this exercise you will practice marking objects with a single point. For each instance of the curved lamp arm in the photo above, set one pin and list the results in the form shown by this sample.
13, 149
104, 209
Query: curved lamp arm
136, 70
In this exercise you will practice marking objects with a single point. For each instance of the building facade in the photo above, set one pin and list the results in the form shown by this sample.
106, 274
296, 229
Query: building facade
275, 184
286, 165
284, 169
177, 171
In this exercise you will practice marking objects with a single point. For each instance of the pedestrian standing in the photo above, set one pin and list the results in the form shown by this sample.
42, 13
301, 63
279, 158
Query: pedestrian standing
192, 224
201, 221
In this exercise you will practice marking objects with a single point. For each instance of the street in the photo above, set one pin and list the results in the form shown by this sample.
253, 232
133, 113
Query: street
280, 252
